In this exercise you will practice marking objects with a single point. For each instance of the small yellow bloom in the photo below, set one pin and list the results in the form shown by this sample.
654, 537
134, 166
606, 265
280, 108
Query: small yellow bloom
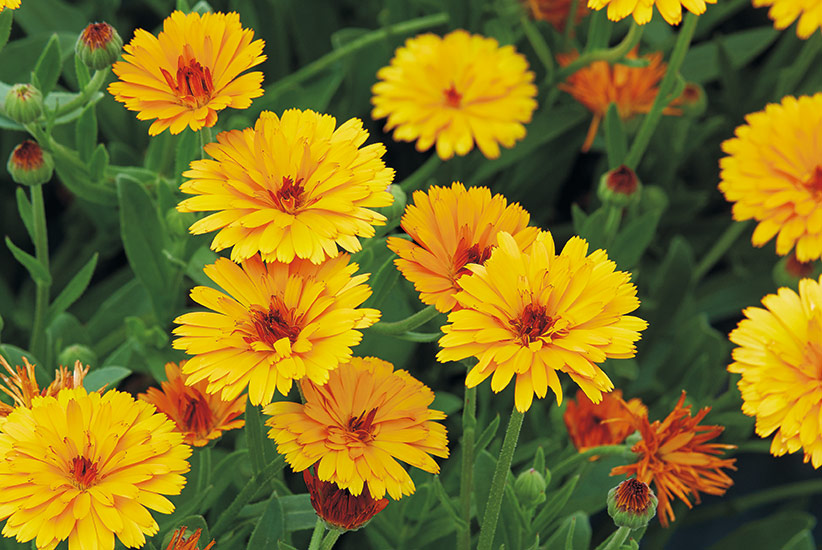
456, 90
10, 4
785, 12
642, 10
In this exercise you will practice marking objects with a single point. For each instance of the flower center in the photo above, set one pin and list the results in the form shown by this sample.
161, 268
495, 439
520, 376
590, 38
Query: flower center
83, 472
193, 83
197, 415
469, 254
452, 97
290, 196
633, 495
27, 156
278, 321
97, 35
360, 426
533, 322
814, 184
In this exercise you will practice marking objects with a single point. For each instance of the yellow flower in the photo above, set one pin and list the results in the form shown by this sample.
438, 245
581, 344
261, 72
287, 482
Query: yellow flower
779, 357
21, 385
785, 12
456, 90
281, 322
191, 70
773, 174
358, 425
10, 4
642, 10
532, 314
452, 227
85, 467
290, 188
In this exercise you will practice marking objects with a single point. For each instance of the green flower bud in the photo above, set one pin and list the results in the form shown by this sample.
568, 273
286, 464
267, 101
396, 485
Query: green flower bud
29, 164
77, 352
789, 270
632, 504
693, 100
619, 187
397, 208
179, 222
530, 488
98, 46
24, 103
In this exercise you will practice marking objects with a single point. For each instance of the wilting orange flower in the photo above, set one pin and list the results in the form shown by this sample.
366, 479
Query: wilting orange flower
785, 12
599, 84
642, 10
556, 12
338, 507
281, 322
86, 467
198, 415
533, 314
675, 455
180, 542
22, 385
10, 4
291, 187
607, 423
452, 227
189, 72
453, 91
356, 427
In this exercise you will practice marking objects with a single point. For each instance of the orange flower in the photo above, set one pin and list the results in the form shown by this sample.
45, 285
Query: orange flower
340, 508
178, 542
675, 455
22, 385
599, 84
556, 12
199, 416
607, 423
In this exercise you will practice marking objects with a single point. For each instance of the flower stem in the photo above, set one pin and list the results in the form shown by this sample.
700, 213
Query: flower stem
570, 23
206, 137
330, 539
612, 221
85, 94
719, 248
617, 538
317, 534
541, 48
649, 123
603, 450
506, 455
204, 470
610, 55
739, 505
418, 178
41, 252
229, 515
469, 426
409, 323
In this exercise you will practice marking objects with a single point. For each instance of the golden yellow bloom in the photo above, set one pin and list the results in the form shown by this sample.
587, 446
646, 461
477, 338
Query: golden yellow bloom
773, 174
198, 415
21, 385
556, 12
599, 84
456, 90
10, 4
642, 10
531, 314
191, 70
279, 322
785, 12
780, 357
356, 427
85, 467
452, 227
290, 188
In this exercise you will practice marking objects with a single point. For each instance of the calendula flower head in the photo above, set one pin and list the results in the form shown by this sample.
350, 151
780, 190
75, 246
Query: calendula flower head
338, 507
355, 428
608, 422
779, 356
98, 46
10, 4
632, 504
453, 227
278, 323
29, 164
532, 314
21, 384
189, 72
454, 91
632, 89
642, 10
785, 12
86, 467
180, 542
675, 456
556, 12
291, 187
778, 182
198, 415
23, 103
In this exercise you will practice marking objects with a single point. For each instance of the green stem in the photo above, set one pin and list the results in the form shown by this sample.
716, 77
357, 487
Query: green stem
469, 427
603, 450
409, 323
649, 123
204, 470
618, 538
610, 55
420, 176
317, 534
790, 77
719, 248
41, 252
245, 495
406, 27
330, 539
506, 455
570, 23
612, 221
85, 94
206, 137
541, 48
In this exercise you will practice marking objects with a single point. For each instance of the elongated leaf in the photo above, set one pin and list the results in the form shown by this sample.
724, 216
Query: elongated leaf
80, 69
86, 132
37, 270
5, 27
298, 512
259, 447
615, 141
73, 290
772, 532
24, 209
49, 66
99, 163
105, 376
487, 435
555, 504
270, 526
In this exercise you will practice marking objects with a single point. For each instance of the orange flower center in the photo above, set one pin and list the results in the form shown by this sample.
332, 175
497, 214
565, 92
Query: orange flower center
814, 184
533, 322
360, 426
278, 321
192, 84
473, 254
197, 415
633, 495
96, 35
452, 97
27, 156
291, 195
83, 472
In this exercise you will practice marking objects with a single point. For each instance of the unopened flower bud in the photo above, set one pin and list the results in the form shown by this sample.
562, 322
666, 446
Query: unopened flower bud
77, 352
397, 207
693, 100
530, 488
29, 164
632, 504
338, 507
98, 46
619, 187
789, 270
179, 222
24, 103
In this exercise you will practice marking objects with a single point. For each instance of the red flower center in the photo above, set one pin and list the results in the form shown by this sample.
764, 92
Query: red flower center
533, 322
633, 495
814, 184
192, 84
197, 415
469, 254
97, 35
27, 156
452, 97
360, 426
278, 321
84, 472
622, 180
290, 196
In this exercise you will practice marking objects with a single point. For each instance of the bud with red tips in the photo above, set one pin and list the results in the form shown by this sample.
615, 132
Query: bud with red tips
98, 46
338, 507
632, 504
619, 187
29, 164
23, 103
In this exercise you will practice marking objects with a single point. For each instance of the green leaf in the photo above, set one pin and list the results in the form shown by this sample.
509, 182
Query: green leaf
49, 66
383, 282
772, 532
99, 163
270, 526
36, 269
188, 149
555, 504
73, 290
702, 62
484, 466
260, 448
298, 512
80, 69
283, 546
574, 533
105, 376
222, 476
85, 132
633, 240
5, 27
446, 402
487, 435
25, 211
801, 541
14, 356
183, 6
615, 141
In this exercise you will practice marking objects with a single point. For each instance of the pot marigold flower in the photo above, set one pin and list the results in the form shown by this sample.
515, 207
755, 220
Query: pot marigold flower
288, 188
452, 227
532, 314
356, 427
180, 542
191, 70
338, 507
21, 384
556, 12
642, 10
281, 322
778, 182
632, 89
453, 91
632, 504
10, 4
607, 423
198, 415
86, 467
779, 354
675, 455
785, 12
